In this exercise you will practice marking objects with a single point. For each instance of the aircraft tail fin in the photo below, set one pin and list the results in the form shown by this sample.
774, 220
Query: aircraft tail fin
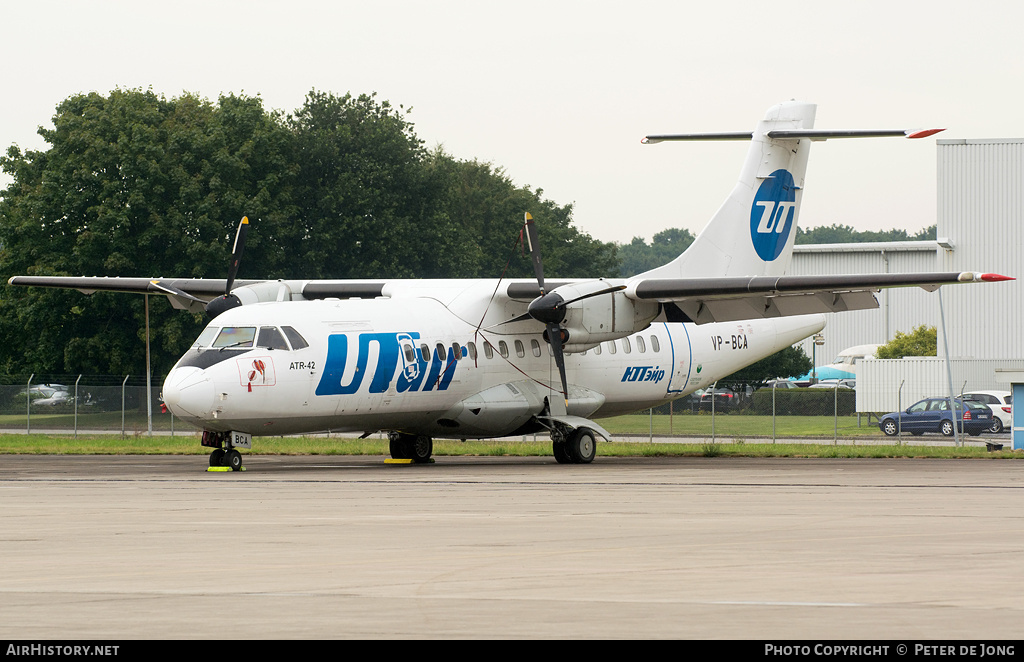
752, 233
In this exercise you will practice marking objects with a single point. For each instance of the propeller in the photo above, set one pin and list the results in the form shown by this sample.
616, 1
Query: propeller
228, 300
550, 308
545, 308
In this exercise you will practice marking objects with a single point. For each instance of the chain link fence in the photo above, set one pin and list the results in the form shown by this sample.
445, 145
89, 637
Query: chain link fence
35, 403
777, 410
107, 403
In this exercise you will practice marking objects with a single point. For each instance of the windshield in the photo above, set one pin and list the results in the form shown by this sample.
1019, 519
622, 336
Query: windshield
206, 337
235, 336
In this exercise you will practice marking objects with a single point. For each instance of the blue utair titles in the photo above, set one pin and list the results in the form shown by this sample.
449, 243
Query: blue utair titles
644, 373
413, 377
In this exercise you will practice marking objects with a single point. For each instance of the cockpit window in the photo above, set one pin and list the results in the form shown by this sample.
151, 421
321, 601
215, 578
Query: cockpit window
236, 336
271, 338
297, 341
206, 337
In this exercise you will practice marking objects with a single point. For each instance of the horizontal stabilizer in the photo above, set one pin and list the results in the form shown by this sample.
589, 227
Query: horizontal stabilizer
787, 134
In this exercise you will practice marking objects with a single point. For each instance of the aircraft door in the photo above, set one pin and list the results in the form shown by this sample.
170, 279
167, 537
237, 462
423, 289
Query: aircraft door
682, 364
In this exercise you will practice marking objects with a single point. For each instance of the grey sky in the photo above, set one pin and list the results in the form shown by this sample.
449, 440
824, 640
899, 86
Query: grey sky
560, 93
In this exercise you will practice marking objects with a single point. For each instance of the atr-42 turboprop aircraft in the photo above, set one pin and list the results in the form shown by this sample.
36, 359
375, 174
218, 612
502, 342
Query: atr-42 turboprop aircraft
483, 358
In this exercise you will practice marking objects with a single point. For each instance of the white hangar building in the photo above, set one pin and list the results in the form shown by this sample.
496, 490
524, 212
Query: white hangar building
980, 228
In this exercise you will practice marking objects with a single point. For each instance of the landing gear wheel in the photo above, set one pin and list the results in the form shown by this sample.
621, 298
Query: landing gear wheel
581, 446
417, 448
217, 457
400, 447
422, 447
233, 459
560, 452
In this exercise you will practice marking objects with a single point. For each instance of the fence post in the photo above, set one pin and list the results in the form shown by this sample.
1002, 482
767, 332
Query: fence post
122, 405
899, 418
76, 404
835, 414
714, 393
28, 405
774, 384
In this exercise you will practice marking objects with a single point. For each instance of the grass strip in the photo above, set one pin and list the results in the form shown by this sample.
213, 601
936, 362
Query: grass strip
39, 444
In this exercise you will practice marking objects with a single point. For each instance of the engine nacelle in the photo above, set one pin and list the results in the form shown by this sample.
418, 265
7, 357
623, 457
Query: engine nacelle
271, 290
608, 316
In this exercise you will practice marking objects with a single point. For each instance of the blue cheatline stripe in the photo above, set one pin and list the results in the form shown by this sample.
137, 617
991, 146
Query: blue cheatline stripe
689, 368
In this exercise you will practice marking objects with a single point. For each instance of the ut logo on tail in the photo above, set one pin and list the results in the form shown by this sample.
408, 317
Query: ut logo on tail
773, 215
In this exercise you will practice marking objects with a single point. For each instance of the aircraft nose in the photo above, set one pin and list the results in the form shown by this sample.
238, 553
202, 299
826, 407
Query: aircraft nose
188, 393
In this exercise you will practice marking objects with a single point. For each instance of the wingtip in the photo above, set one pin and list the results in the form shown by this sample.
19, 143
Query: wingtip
991, 278
923, 133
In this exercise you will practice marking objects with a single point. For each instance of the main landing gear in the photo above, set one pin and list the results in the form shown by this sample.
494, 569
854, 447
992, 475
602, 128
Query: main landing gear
415, 447
223, 455
578, 446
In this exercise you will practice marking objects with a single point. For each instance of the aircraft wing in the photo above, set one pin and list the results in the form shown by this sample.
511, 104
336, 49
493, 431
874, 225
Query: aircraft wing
199, 287
703, 300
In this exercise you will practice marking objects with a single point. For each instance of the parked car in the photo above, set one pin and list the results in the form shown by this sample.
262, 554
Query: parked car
835, 383
1001, 404
725, 399
53, 399
780, 383
933, 415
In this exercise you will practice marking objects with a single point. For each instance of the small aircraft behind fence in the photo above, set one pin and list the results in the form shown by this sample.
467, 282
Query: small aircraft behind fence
482, 358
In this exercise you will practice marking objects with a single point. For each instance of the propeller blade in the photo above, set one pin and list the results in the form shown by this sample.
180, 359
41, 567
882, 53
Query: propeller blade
617, 288
174, 291
533, 244
236, 253
520, 318
555, 338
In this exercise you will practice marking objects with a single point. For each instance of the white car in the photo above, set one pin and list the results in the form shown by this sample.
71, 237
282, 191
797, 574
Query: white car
1001, 404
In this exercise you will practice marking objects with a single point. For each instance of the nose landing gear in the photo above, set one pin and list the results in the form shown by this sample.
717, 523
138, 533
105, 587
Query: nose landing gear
224, 455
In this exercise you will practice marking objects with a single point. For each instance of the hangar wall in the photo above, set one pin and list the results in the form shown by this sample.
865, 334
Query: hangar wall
980, 228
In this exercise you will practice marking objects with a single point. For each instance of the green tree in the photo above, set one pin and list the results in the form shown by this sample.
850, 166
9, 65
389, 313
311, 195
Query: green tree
845, 234
638, 256
132, 184
371, 204
789, 362
922, 341
488, 208
135, 184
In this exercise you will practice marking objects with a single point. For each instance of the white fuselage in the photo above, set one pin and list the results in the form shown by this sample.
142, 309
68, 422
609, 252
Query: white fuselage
412, 364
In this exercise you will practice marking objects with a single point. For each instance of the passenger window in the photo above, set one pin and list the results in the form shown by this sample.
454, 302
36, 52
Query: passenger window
410, 353
535, 346
503, 349
235, 336
611, 346
271, 338
424, 353
295, 338
440, 352
488, 350
655, 345
457, 351
597, 350
471, 346
640, 345
520, 350
625, 346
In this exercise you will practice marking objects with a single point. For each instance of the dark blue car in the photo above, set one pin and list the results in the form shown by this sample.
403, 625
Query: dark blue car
933, 415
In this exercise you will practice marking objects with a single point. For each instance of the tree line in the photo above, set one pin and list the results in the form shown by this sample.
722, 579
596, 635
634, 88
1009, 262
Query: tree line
135, 184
